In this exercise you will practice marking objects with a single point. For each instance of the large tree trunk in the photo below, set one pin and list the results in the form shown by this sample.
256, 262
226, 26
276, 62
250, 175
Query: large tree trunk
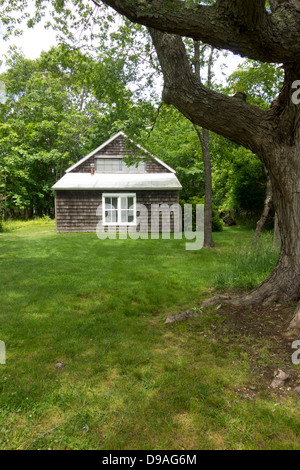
283, 284
286, 196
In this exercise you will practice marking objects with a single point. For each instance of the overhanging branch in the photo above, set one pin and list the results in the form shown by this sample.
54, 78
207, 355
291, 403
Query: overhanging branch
250, 14
228, 116
241, 26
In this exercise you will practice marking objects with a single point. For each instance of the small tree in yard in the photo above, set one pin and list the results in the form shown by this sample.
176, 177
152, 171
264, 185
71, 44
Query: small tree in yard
203, 136
257, 29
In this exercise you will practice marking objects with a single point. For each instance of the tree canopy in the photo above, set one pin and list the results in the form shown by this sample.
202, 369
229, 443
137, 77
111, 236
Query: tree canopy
56, 111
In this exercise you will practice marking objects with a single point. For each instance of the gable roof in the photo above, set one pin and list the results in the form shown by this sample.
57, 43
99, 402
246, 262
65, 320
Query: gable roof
101, 147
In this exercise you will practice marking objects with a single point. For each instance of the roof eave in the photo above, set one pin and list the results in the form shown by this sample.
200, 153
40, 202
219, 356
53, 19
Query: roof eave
154, 188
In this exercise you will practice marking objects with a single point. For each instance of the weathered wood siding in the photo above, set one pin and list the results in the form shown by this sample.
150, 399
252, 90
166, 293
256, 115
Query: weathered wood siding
81, 211
118, 147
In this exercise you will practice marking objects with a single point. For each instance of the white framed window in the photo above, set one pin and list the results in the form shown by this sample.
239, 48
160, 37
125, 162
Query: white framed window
118, 165
119, 209
108, 164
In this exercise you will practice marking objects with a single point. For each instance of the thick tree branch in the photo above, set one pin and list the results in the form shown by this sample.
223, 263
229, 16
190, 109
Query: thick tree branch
241, 26
228, 116
249, 14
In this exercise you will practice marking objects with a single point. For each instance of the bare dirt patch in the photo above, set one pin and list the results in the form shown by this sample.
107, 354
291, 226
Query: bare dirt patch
263, 332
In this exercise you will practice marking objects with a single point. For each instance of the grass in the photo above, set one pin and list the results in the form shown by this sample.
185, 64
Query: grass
248, 267
128, 381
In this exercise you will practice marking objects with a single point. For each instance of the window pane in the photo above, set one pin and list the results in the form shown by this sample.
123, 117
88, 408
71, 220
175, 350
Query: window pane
114, 216
108, 203
118, 164
127, 216
107, 216
99, 164
133, 168
108, 164
124, 217
123, 202
130, 202
114, 203
127, 168
130, 214
115, 164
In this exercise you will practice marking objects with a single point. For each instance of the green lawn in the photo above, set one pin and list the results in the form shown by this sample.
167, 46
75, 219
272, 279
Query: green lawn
128, 381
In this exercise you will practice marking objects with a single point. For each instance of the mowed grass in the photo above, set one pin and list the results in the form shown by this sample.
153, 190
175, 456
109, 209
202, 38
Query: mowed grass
128, 381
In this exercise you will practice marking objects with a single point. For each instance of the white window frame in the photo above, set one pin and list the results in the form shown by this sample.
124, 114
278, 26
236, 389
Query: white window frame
122, 165
119, 196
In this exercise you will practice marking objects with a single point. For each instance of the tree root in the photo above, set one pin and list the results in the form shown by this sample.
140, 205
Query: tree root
254, 298
295, 322
215, 300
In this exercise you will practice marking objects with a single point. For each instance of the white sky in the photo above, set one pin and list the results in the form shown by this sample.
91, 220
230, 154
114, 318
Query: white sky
34, 41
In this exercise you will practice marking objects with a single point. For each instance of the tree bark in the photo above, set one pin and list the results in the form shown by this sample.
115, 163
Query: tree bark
265, 213
276, 232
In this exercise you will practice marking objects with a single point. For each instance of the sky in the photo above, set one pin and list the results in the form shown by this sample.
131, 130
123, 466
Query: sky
34, 41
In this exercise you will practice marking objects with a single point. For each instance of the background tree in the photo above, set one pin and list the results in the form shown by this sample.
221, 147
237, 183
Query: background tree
39, 127
174, 140
56, 111
239, 180
203, 136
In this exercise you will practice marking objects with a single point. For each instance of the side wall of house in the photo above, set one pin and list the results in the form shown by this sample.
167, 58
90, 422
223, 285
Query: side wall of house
81, 211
